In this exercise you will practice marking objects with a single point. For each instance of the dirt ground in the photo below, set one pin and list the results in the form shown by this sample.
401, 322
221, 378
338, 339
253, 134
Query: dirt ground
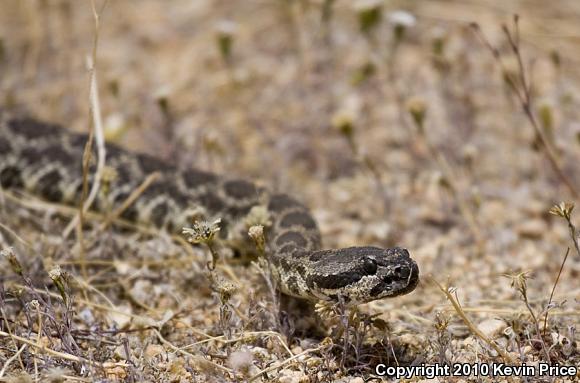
398, 123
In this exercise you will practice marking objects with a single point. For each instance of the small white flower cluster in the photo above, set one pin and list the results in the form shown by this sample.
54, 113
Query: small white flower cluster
402, 19
202, 231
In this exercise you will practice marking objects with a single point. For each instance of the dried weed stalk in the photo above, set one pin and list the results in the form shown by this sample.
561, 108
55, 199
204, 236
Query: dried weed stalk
520, 85
450, 294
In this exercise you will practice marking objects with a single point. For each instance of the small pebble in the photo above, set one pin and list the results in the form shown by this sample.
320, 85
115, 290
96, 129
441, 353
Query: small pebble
492, 327
532, 229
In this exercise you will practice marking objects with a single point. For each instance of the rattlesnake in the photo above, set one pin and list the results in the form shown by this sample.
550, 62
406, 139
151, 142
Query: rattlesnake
46, 160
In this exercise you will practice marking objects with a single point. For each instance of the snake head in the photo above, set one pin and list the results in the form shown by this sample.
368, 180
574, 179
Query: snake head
362, 274
397, 274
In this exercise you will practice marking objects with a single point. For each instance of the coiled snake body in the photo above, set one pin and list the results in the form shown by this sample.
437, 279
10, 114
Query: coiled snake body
46, 160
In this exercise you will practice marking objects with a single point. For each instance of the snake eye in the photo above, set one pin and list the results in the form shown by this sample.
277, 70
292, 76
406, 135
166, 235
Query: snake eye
369, 266
401, 271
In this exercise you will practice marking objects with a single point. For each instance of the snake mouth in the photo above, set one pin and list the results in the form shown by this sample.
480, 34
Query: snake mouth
413, 278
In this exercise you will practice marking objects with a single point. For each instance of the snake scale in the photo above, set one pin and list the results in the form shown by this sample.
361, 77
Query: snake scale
46, 160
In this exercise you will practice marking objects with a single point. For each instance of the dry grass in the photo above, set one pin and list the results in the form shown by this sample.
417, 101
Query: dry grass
395, 134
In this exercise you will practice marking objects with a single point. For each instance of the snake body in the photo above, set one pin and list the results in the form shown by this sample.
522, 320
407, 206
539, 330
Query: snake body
46, 160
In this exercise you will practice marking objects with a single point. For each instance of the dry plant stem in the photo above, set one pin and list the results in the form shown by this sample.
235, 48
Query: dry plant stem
88, 286
572, 313
10, 333
572, 230
131, 198
451, 180
522, 89
96, 129
36, 204
105, 365
348, 323
91, 304
553, 290
250, 335
43, 349
265, 271
114, 216
196, 358
71, 378
38, 336
76, 378
11, 359
13, 234
524, 294
285, 362
214, 256
145, 319
470, 325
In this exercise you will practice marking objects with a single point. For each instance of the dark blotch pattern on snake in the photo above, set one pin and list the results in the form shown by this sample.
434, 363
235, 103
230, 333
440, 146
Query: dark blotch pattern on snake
46, 160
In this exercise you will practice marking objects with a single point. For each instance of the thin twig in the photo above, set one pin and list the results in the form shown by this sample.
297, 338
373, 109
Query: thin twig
553, 290
5, 319
96, 131
63, 355
13, 233
114, 216
524, 94
285, 362
11, 359
131, 198
470, 325
36, 204
196, 358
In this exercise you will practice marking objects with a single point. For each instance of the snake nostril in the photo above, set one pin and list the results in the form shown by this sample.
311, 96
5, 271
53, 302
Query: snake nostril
388, 280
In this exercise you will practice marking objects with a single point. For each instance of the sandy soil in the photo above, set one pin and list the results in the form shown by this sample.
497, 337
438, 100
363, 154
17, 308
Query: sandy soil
408, 133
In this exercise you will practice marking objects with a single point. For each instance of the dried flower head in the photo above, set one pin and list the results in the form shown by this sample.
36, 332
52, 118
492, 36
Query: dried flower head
369, 14
58, 277
109, 174
202, 231
563, 209
519, 281
418, 110
225, 31
439, 40
441, 322
34, 304
401, 21
115, 126
555, 58
8, 252
55, 273
343, 121
256, 232
546, 114
161, 96
224, 288
402, 18
325, 310
108, 177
